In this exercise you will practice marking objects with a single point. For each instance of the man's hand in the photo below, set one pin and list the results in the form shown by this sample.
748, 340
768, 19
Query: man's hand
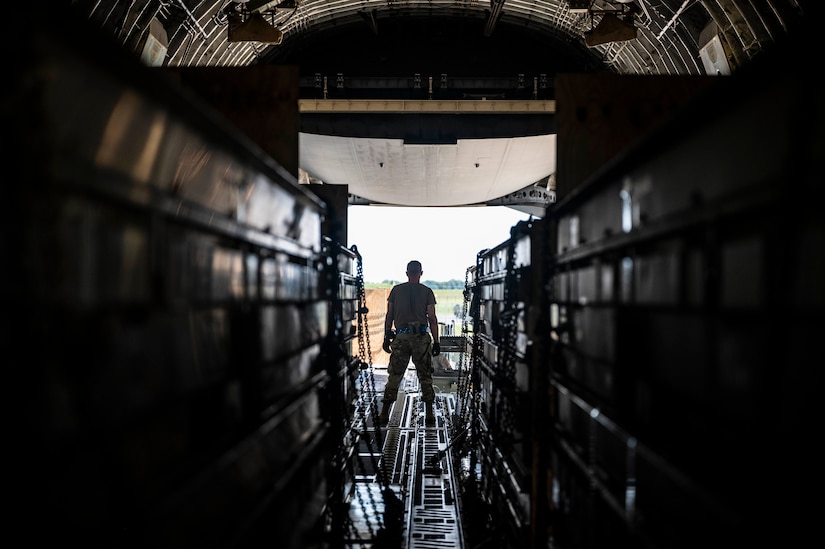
389, 335
436, 348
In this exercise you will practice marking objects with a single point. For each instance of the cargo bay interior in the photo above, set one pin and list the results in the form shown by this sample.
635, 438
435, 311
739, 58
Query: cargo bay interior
188, 355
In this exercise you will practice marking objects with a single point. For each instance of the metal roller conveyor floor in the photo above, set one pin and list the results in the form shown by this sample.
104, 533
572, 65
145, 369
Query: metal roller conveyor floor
416, 462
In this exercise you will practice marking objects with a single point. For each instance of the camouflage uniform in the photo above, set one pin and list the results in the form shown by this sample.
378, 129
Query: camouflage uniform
407, 307
417, 346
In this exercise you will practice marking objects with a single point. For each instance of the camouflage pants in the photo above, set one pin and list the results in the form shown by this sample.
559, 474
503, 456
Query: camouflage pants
417, 347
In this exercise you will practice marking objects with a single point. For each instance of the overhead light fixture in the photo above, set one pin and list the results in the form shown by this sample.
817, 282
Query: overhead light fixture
254, 21
254, 29
611, 28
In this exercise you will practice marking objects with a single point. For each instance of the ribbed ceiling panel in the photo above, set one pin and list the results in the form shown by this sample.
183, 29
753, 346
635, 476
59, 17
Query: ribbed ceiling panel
666, 43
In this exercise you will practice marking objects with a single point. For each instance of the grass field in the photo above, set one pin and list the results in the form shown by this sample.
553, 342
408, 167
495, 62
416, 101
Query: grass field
446, 300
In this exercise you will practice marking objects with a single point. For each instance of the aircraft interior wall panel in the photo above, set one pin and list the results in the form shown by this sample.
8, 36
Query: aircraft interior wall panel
169, 300
578, 510
641, 493
279, 379
708, 325
596, 219
673, 505
507, 489
285, 279
292, 514
287, 328
173, 378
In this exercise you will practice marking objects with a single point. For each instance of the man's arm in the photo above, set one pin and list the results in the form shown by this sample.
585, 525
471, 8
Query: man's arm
433, 321
389, 335
390, 317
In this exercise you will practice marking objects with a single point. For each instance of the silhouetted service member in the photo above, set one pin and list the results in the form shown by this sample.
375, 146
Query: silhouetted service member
411, 308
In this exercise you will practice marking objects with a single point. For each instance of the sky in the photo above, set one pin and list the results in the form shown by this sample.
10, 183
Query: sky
445, 240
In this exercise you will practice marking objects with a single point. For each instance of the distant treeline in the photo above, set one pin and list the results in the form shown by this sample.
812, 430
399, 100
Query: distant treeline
449, 285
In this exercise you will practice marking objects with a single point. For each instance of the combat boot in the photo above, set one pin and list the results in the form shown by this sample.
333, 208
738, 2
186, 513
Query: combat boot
384, 416
429, 414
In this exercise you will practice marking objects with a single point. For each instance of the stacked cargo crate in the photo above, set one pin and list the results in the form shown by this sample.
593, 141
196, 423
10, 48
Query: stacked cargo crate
682, 300
169, 290
500, 287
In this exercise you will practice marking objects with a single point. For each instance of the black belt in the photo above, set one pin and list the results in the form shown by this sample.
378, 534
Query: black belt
423, 329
